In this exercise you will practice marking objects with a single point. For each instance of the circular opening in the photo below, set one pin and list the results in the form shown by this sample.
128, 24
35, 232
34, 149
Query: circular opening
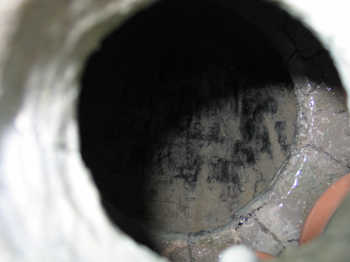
186, 114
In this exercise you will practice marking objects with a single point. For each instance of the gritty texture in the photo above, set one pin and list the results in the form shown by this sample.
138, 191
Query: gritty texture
213, 132
207, 247
51, 210
319, 156
286, 208
219, 161
196, 143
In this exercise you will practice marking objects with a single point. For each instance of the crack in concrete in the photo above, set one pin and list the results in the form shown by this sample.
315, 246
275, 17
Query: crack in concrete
244, 218
322, 151
267, 231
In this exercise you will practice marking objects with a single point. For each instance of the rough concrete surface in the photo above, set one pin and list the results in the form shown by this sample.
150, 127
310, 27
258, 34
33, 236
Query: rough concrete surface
50, 208
202, 144
193, 186
318, 157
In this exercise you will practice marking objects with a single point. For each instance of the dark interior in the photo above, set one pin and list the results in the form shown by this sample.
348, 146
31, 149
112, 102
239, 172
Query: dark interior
150, 78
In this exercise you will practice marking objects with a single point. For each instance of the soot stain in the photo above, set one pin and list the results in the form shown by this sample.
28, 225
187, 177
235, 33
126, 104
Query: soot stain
243, 153
190, 169
189, 174
264, 138
252, 128
280, 128
161, 89
222, 171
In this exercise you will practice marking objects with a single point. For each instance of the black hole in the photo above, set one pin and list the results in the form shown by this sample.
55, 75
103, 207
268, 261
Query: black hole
180, 98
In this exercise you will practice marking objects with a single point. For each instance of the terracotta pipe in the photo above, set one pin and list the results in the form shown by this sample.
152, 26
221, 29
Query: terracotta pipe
263, 256
321, 213
324, 209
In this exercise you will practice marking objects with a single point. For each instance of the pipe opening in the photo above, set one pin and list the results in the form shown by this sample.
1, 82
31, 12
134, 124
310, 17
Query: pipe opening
186, 114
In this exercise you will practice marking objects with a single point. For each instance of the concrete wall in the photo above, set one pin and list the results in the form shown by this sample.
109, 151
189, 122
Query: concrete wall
50, 208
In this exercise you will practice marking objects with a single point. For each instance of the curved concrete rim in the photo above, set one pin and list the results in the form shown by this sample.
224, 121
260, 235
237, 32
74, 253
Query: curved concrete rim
43, 48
